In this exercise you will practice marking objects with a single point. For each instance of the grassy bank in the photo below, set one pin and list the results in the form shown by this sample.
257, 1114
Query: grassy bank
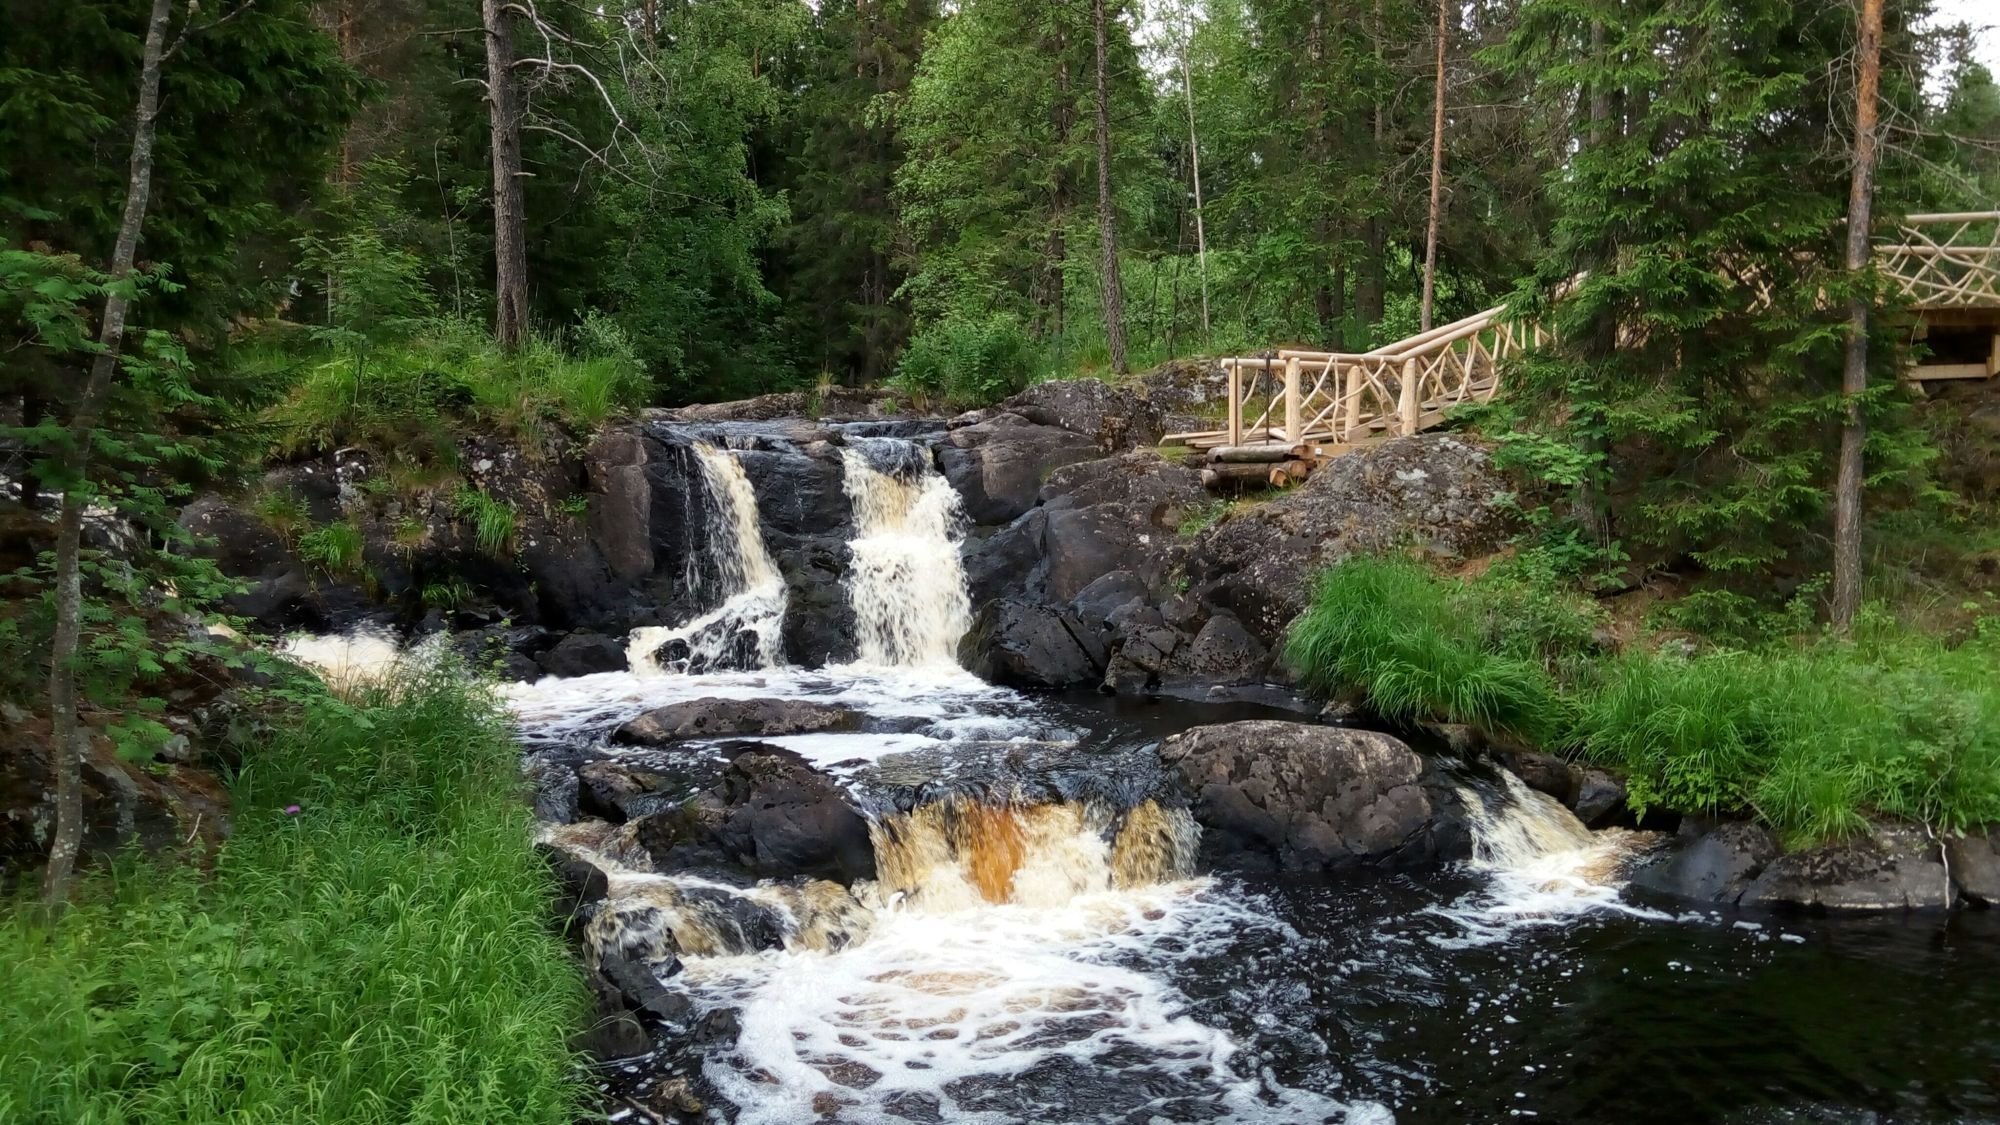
1810, 733
380, 955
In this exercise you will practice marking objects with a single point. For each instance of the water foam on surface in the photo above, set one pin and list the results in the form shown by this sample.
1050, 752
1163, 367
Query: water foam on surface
354, 661
995, 1013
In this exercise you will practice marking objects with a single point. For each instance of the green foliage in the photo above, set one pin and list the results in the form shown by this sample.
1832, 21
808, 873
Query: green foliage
382, 956
492, 520
1387, 627
409, 398
966, 361
1201, 518
1812, 737
447, 595
335, 548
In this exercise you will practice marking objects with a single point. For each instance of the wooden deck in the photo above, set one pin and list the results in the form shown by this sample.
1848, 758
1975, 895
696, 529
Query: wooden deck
1290, 409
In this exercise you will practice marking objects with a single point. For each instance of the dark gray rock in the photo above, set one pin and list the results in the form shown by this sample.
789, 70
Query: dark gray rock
722, 718
1007, 562
1223, 652
998, 465
1709, 862
1600, 798
1435, 492
1118, 513
1114, 418
1975, 866
1300, 797
783, 817
1096, 602
582, 654
617, 792
1032, 644
1544, 773
555, 788
1891, 868
580, 886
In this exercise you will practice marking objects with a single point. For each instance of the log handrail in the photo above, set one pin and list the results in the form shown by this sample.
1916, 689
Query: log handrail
1943, 260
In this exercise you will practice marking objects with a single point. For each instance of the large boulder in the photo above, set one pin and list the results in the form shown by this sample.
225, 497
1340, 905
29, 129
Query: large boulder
1033, 644
1113, 417
1975, 865
723, 718
1300, 797
1708, 862
1112, 514
998, 465
782, 817
1890, 868
583, 654
1435, 492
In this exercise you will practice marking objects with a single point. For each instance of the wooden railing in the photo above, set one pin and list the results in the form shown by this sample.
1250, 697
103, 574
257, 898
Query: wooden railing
1293, 398
1945, 261
1340, 398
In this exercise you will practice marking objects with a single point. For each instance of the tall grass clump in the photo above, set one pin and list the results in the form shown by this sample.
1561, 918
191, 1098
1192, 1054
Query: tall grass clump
1814, 735
380, 954
1814, 738
413, 395
1389, 628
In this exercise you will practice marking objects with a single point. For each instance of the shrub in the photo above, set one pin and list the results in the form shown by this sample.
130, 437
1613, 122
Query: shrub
381, 956
966, 361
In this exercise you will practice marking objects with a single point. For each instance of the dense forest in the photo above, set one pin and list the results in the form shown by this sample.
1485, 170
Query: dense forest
1746, 567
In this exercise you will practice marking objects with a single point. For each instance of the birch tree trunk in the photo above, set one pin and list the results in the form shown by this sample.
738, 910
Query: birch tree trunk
69, 740
1854, 374
1437, 175
1107, 224
510, 240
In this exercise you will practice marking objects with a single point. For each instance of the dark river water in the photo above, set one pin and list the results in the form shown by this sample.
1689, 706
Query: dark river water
1454, 996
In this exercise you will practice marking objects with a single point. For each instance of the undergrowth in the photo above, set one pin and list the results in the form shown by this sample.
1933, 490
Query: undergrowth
1812, 734
380, 955
415, 394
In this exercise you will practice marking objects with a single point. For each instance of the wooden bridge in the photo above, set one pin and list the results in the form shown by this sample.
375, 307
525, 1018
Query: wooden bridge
1291, 409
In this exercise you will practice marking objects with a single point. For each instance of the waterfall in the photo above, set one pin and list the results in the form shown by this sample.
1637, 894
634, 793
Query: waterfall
960, 852
907, 583
746, 629
1543, 865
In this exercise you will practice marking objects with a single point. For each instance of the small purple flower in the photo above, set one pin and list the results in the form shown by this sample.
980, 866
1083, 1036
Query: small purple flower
291, 810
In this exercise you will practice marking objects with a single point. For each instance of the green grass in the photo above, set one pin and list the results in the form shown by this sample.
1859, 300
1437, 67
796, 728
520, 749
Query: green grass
1812, 734
492, 520
382, 956
335, 548
411, 397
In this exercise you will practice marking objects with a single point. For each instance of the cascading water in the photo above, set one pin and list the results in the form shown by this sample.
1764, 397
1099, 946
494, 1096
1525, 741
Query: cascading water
907, 584
1542, 864
746, 629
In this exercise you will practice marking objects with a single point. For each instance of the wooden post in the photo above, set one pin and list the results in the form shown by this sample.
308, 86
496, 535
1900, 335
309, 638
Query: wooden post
1292, 403
1409, 400
1235, 403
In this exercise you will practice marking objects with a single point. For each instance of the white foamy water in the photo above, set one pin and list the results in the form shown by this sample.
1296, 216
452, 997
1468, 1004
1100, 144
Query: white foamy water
1542, 866
752, 587
946, 703
991, 1014
907, 584
351, 662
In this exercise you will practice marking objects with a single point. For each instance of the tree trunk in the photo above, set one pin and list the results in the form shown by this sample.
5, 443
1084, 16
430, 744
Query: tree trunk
1107, 223
1369, 287
1194, 158
510, 239
68, 740
1854, 375
1437, 176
